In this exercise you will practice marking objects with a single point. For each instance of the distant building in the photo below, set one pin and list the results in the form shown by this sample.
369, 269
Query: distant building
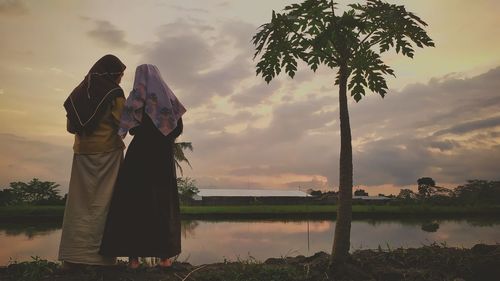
216, 192
217, 196
371, 199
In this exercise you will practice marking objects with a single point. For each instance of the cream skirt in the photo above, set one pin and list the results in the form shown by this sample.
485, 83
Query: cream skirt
90, 190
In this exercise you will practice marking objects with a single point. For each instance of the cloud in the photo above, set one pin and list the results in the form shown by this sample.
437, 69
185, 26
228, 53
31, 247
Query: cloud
394, 139
56, 70
224, 4
12, 111
218, 122
446, 129
108, 35
199, 61
188, 10
470, 126
289, 123
240, 34
315, 183
279, 153
255, 94
444, 145
13, 8
25, 158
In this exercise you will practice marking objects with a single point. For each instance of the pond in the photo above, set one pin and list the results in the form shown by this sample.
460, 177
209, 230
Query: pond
213, 241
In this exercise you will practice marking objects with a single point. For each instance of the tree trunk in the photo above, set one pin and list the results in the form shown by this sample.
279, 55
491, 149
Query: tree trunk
341, 243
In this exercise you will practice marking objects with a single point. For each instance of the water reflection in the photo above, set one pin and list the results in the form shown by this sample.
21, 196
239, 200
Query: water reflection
29, 230
188, 228
430, 226
212, 241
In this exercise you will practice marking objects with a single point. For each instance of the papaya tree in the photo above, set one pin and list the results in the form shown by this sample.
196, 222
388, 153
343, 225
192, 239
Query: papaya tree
351, 44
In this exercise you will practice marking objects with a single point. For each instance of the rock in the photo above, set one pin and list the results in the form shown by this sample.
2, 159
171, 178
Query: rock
296, 260
275, 261
482, 249
318, 255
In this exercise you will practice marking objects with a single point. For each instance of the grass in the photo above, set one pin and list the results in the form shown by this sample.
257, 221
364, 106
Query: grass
30, 211
357, 209
329, 211
53, 213
32, 270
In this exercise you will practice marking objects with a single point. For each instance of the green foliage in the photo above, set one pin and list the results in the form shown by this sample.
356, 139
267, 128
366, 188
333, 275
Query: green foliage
6, 197
406, 195
425, 187
474, 192
430, 192
478, 192
426, 181
432, 226
360, 192
316, 193
32, 270
35, 192
46, 211
187, 188
353, 41
179, 155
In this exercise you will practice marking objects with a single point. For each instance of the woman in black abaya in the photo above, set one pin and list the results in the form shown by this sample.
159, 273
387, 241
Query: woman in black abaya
144, 217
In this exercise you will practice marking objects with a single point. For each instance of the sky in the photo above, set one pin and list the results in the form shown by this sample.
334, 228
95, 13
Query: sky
440, 118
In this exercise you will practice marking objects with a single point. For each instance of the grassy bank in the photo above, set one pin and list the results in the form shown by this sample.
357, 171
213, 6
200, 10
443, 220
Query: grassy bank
430, 263
54, 213
26, 212
330, 210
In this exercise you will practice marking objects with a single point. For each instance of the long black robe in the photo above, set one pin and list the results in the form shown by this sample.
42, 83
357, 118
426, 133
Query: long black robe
144, 216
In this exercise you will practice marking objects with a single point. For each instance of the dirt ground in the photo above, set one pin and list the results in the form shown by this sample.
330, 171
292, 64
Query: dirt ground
434, 262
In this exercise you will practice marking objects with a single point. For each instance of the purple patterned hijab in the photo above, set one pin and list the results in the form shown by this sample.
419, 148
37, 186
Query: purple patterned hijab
151, 95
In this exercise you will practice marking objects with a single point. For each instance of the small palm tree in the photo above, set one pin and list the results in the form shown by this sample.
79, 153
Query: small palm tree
179, 155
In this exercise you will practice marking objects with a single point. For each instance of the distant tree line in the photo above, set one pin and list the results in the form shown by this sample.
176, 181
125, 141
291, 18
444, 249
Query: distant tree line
474, 192
360, 192
35, 192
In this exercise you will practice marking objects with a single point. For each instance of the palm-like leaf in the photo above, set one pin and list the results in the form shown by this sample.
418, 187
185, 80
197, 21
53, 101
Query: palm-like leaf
179, 155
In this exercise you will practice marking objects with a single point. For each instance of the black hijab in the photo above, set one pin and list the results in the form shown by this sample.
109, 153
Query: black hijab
87, 103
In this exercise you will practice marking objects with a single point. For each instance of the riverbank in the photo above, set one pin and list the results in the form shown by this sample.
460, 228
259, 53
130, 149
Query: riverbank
430, 263
55, 213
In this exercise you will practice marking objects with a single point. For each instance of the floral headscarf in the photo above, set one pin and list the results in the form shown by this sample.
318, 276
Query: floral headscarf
151, 95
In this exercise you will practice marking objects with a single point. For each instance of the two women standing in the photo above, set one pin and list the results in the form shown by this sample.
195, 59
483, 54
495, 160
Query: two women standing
130, 209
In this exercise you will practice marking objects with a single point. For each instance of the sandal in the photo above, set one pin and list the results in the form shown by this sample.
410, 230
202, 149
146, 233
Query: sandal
165, 263
133, 263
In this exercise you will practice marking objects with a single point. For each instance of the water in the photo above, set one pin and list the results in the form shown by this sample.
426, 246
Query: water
214, 241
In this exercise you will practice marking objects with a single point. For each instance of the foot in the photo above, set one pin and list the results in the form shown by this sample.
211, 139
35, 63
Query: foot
133, 263
165, 263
